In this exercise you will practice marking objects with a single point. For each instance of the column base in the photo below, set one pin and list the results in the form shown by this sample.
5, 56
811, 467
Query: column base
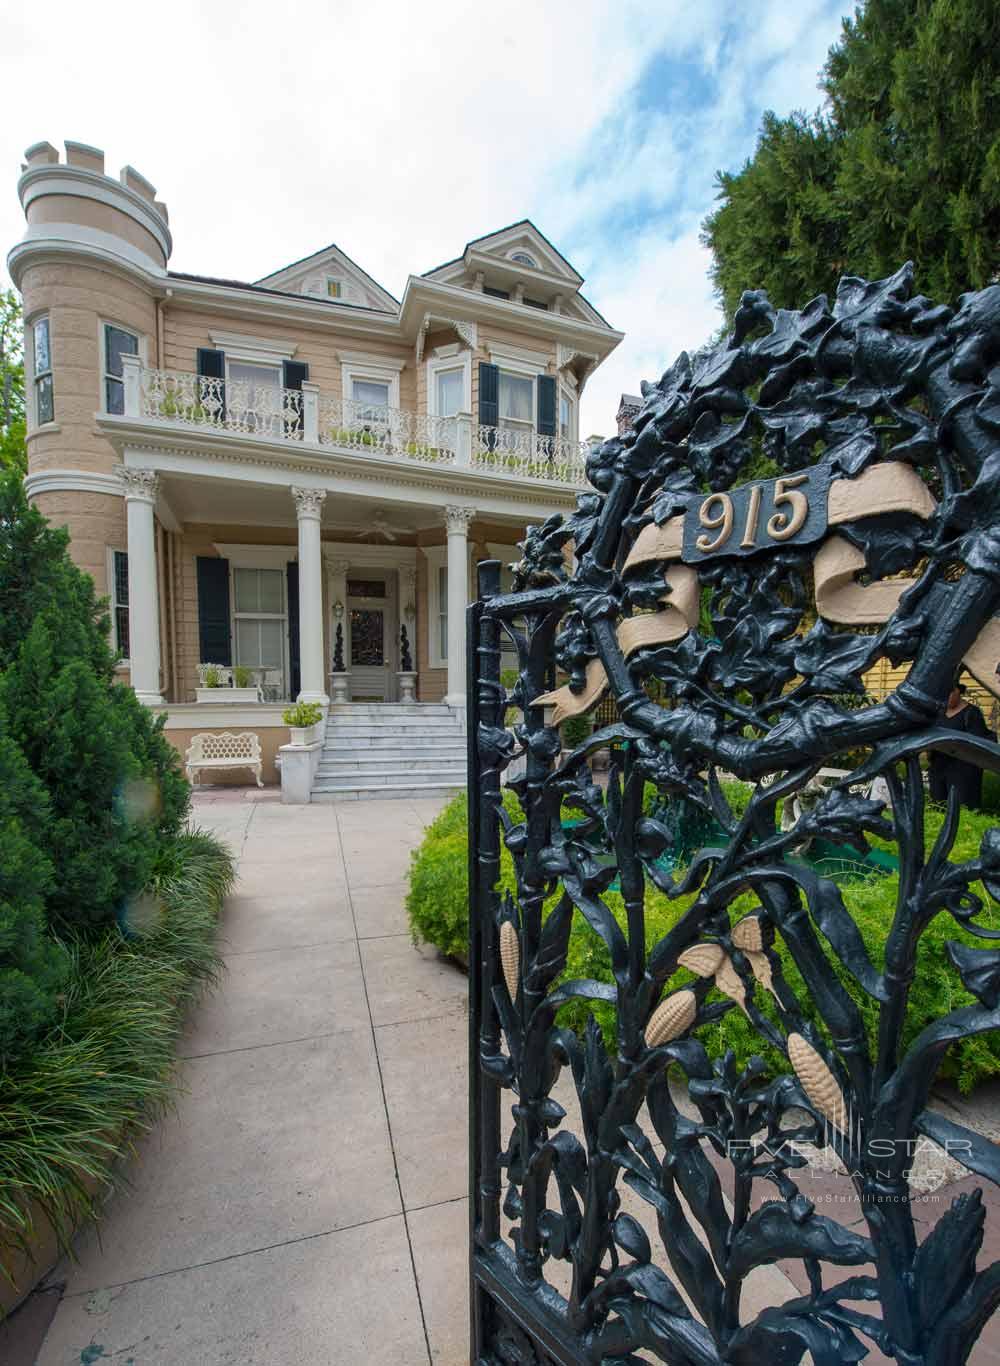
319, 697
455, 699
150, 699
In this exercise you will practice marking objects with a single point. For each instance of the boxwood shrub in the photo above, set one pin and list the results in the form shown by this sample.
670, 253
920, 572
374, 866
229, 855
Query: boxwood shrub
438, 910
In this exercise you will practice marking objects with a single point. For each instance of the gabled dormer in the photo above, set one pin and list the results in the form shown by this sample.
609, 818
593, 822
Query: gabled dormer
331, 274
521, 265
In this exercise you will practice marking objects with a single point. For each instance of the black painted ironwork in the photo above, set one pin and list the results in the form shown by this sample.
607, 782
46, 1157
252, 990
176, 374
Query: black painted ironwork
891, 406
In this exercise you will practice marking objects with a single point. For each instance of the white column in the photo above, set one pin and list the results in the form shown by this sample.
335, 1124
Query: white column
457, 521
309, 508
143, 599
310, 412
131, 385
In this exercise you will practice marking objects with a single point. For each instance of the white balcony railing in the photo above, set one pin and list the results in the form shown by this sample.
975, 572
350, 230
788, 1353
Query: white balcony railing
388, 431
232, 406
530, 456
176, 397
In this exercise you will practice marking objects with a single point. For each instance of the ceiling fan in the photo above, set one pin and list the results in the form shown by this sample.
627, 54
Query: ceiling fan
377, 527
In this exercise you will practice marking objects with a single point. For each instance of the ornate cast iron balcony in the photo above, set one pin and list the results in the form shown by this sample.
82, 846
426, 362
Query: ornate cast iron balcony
311, 418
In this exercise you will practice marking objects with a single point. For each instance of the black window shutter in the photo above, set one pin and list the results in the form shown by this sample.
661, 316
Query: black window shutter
489, 395
294, 665
296, 373
212, 365
214, 640
546, 405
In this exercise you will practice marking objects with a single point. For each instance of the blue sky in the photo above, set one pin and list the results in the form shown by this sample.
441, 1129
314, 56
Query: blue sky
401, 132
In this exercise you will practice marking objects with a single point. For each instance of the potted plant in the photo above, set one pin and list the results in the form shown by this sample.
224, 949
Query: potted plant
300, 720
245, 687
212, 678
407, 674
340, 679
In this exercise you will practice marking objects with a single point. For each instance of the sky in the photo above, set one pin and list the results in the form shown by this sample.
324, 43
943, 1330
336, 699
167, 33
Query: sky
401, 132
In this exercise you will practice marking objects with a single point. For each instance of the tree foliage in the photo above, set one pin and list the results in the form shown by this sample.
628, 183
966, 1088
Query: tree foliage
902, 162
113, 787
12, 448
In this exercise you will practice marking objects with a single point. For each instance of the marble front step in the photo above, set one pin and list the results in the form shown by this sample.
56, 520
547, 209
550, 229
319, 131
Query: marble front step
374, 791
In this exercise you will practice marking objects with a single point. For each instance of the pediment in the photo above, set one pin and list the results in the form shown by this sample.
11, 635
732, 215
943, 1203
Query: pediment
518, 240
312, 277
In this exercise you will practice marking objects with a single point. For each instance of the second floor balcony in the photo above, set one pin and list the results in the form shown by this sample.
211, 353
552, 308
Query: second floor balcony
312, 418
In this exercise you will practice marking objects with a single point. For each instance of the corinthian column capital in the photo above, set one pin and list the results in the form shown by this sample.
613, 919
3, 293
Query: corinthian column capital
458, 519
138, 485
309, 502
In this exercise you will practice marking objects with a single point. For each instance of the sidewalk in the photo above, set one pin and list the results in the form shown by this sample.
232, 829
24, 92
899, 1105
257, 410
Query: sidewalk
306, 1201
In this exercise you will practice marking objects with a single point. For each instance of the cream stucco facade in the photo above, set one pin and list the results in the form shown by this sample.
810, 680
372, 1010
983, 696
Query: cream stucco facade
244, 468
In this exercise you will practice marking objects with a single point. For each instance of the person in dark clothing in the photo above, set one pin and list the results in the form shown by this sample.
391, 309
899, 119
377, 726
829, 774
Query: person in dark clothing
946, 771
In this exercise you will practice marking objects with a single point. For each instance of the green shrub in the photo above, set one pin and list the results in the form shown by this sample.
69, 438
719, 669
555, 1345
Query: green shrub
438, 909
242, 677
104, 1069
33, 968
576, 730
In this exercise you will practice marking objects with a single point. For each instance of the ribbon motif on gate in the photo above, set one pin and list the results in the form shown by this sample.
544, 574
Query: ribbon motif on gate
819, 492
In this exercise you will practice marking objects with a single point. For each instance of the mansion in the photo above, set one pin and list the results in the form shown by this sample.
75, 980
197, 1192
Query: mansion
282, 480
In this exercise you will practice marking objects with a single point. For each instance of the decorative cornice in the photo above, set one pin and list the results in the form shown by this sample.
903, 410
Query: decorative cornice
458, 519
467, 330
138, 485
72, 481
308, 502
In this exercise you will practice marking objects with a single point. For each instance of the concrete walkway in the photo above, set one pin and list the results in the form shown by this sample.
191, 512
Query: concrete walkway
305, 1203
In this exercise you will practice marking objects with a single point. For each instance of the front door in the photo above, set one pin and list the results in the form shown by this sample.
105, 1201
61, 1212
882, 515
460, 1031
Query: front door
371, 606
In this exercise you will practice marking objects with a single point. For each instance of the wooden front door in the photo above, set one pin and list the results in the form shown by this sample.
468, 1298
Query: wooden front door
371, 606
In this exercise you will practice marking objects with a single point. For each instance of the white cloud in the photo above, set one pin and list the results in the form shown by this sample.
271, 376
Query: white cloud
401, 132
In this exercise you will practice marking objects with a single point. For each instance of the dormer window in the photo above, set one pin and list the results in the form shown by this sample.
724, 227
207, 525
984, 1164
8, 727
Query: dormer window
523, 259
334, 287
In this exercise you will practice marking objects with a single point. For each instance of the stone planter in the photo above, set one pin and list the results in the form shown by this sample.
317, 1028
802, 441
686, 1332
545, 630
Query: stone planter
407, 686
218, 695
304, 735
340, 688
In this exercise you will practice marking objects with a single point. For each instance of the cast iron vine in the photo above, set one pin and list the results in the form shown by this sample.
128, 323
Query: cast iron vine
718, 557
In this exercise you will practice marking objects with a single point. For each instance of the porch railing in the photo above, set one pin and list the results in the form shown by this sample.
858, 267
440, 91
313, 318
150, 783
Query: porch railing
177, 397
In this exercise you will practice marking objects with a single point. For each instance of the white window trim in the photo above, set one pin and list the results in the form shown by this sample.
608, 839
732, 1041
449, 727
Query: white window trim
253, 561
564, 391
337, 280
512, 357
254, 350
378, 369
437, 363
437, 559
143, 353
31, 408
110, 552
523, 371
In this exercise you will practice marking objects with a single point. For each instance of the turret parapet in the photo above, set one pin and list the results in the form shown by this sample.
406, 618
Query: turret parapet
76, 204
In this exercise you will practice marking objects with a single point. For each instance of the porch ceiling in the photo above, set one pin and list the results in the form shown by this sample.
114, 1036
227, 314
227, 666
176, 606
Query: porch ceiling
228, 502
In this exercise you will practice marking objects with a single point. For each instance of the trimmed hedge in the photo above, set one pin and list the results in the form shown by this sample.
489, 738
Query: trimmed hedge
438, 909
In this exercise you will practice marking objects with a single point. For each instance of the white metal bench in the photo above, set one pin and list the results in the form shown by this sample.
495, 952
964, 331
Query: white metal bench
225, 750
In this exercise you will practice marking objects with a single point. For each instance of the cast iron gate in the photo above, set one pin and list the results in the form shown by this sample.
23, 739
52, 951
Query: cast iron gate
819, 492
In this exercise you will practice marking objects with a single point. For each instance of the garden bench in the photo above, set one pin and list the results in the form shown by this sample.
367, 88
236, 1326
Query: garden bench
225, 750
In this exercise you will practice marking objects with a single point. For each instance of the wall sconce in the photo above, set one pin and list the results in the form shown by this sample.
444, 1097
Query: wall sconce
338, 610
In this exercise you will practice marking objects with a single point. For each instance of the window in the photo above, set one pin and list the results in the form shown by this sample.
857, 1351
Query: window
117, 343
253, 396
44, 402
523, 259
442, 612
119, 601
334, 288
371, 394
259, 618
536, 303
496, 293
517, 400
565, 415
450, 392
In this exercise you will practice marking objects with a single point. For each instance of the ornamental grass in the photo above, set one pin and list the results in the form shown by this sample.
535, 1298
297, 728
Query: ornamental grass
104, 1070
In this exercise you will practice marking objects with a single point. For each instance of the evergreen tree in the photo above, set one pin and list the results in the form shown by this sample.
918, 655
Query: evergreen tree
33, 967
902, 163
13, 454
113, 783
